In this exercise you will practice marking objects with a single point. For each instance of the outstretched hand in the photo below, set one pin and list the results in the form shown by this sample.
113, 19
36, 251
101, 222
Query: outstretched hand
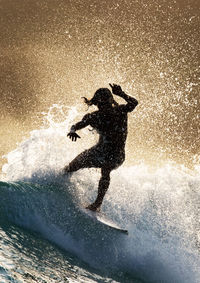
73, 136
116, 89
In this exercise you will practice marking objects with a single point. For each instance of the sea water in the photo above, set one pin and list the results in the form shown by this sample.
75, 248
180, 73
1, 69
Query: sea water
44, 237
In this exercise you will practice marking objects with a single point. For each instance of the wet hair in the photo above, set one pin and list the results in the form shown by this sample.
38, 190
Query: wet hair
101, 96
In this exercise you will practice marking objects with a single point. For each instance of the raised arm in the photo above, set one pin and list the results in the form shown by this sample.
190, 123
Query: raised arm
131, 101
78, 126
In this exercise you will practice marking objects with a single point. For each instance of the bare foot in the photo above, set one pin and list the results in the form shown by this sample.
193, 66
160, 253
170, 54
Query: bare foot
65, 171
93, 207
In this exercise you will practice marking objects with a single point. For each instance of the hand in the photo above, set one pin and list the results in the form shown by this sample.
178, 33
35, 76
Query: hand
73, 136
116, 89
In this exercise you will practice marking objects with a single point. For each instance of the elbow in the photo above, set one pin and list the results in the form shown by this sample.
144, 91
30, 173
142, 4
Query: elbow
135, 103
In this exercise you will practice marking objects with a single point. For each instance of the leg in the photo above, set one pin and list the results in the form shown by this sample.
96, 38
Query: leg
102, 189
74, 165
86, 159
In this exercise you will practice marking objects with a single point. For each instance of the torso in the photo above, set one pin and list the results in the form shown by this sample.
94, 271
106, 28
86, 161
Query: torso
111, 126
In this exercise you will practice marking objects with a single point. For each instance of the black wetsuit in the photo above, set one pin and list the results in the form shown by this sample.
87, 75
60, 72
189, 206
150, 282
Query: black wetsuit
111, 125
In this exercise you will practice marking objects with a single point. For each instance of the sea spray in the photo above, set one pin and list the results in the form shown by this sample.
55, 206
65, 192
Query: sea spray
159, 208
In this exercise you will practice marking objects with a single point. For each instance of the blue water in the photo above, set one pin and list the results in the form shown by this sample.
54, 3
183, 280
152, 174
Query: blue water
30, 214
44, 237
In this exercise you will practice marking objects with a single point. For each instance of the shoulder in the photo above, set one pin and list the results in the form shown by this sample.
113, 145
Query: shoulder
91, 115
121, 108
125, 108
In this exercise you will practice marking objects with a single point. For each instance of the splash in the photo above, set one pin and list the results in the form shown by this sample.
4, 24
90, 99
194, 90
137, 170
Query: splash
160, 209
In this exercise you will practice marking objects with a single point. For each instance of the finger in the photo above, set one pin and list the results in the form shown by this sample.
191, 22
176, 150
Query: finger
110, 85
78, 136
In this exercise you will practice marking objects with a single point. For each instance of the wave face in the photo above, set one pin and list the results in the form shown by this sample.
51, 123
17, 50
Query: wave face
160, 209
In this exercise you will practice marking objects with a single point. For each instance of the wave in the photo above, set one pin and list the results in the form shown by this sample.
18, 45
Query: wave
158, 248
160, 209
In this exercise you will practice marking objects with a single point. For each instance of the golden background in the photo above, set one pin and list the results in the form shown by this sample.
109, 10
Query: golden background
55, 51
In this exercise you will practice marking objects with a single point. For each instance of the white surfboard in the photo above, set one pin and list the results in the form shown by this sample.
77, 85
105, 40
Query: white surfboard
99, 217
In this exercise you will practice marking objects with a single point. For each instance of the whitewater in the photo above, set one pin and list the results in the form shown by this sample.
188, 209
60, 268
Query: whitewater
44, 237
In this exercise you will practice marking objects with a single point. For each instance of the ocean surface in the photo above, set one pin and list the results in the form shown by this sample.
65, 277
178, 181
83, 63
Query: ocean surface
44, 236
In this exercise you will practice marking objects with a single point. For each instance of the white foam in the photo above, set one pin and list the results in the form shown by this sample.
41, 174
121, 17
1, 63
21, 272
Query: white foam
161, 209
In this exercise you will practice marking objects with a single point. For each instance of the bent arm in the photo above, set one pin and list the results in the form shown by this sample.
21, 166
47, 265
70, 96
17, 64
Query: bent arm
82, 124
131, 101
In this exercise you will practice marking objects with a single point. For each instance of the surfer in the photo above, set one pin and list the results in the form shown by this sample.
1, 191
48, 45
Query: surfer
110, 121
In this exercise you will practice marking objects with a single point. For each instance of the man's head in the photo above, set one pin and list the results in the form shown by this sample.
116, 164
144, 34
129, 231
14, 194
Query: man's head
102, 98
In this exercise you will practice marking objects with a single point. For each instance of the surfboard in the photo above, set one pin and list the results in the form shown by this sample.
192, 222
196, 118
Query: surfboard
99, 217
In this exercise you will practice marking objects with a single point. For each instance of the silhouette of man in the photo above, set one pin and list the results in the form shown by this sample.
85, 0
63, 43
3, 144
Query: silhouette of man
110, 121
